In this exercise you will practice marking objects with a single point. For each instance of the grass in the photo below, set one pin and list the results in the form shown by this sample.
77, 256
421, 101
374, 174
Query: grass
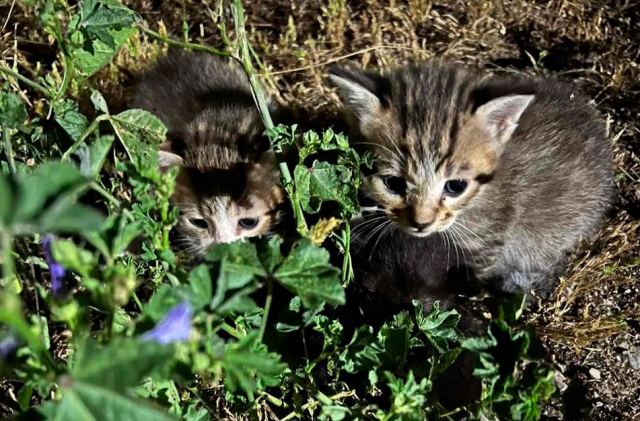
593, 318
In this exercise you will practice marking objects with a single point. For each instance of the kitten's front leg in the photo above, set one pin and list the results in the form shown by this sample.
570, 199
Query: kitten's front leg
505, 279
519, 282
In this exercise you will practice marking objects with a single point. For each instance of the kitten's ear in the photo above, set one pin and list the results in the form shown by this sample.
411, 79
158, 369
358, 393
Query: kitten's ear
500, 116
362, 93
166, 157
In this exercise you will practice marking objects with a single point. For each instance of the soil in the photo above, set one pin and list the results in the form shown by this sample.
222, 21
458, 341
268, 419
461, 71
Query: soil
591, 325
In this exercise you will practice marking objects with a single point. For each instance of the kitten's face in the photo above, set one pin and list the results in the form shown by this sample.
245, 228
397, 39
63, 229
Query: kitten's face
434, 151
423, 199
223, 194
210, 213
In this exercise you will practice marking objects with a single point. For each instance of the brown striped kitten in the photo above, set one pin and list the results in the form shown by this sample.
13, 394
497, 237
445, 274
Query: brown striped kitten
228, 184
514, 172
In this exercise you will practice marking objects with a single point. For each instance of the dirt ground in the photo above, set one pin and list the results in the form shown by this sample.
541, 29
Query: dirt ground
591, 325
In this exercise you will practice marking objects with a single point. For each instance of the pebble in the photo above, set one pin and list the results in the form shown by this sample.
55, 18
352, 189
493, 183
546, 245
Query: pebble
560, 381
594, 373
634, 358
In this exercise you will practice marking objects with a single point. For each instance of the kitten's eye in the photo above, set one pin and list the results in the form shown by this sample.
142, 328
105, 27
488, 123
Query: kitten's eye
395, 184
455, 188
199, 222
248, 223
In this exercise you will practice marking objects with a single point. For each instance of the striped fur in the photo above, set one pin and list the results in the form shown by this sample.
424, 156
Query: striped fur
532, 154
215, 135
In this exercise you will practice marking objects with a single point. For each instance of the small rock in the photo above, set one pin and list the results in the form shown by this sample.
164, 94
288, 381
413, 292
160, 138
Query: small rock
594, 373
560, 381
634, 358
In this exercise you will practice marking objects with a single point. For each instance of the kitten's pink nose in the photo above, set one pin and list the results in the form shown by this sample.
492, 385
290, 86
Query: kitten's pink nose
420, 226
420, 218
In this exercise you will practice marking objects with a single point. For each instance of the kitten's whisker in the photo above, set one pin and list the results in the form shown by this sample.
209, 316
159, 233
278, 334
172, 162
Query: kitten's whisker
455, 246
401, 157
389, 227
365, 228
379, 145
447, 246
373, 232
482, 241
361, 227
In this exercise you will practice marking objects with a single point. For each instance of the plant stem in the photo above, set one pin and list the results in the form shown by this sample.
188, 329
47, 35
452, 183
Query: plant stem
137, 301
33, 85
267, 308
8, 266
347, 267
230, 330
92, 127
104, 193
186, 45
8, 148
244, 57
277, 402
66, 77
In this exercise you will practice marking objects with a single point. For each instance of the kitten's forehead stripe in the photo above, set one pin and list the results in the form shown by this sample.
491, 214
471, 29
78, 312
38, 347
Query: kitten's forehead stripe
427, 103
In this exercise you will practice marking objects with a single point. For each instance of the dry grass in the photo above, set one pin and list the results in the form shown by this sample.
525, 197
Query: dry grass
593, 320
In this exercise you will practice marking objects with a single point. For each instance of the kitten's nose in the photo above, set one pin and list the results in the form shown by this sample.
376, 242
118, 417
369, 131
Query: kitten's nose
420, 226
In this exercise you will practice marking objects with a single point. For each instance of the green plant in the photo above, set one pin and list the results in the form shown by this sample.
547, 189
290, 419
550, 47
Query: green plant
148, 337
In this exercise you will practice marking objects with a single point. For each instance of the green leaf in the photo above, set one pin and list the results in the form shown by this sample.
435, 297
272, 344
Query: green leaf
511, 308
324, 182
73, 257
69, 118
101, 18
99, 54
238, 302
194, 414
48, 179
269, 253
7, 199
125, 236
99, 102
65, 217
162, 300
248, 365
122, 364
407, 398
139, 131
201, 287
87, 402
306, 272
12, 110
103, 27
238, 266
334, 412
162, 391
439, 327
92, 157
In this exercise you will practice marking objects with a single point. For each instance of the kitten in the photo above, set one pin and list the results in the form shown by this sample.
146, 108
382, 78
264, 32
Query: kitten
515, 171
227, 186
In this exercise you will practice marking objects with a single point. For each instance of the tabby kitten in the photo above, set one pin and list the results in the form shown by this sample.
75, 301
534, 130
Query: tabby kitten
227, 185
515, 172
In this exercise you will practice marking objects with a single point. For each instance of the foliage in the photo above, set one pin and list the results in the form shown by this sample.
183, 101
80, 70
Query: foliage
147, 334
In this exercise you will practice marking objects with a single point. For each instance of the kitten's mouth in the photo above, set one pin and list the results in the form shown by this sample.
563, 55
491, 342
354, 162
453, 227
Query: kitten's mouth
421, 233
415, 232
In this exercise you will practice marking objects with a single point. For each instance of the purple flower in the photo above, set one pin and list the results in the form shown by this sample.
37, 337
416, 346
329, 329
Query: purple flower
55, 268
175, 327
8, 345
